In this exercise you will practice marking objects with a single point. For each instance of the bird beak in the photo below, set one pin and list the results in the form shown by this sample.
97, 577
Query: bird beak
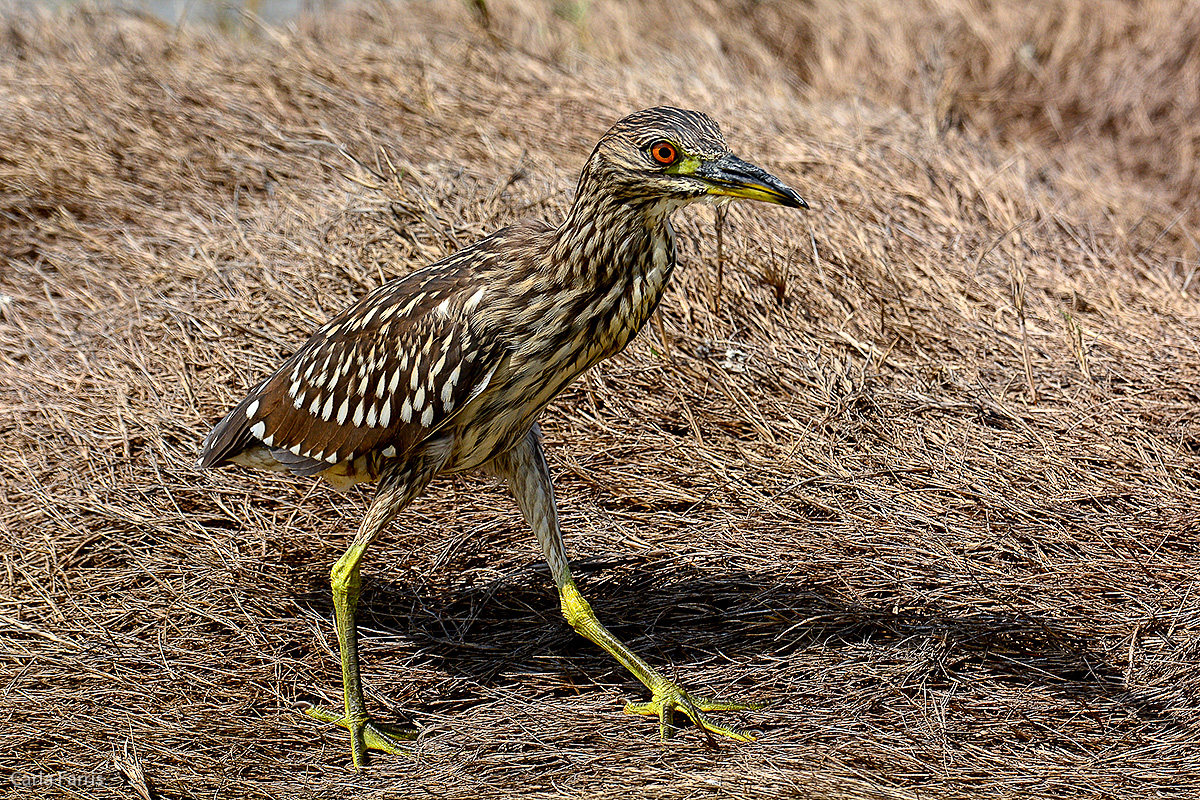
732, 177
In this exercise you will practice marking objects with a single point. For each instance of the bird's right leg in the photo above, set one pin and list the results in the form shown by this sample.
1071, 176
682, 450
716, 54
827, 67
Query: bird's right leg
398, 487
524, 467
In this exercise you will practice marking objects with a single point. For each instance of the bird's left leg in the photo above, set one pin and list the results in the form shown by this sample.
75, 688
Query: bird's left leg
398, 486
524, 467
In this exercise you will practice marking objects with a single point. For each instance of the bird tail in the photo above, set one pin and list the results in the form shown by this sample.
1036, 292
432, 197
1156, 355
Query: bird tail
228, 437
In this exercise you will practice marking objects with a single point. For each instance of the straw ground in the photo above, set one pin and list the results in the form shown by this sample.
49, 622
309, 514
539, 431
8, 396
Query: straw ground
918, 468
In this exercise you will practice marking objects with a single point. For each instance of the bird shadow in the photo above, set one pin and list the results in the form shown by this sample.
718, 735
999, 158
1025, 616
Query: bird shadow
672, 613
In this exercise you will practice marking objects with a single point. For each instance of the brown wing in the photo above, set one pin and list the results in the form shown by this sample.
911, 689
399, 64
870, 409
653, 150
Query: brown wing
379, 377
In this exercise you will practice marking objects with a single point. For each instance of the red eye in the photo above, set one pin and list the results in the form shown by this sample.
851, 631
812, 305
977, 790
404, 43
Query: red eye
664, 152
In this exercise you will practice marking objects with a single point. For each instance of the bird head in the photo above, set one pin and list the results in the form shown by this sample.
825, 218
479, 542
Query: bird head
679, 157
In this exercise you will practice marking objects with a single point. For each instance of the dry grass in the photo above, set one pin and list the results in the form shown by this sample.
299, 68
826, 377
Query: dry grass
920, 472
1110, 87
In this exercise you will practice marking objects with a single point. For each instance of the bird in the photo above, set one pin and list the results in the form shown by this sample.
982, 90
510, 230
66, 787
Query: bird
448, 367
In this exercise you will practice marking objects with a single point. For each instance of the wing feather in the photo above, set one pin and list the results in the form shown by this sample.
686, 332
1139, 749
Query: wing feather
381, 376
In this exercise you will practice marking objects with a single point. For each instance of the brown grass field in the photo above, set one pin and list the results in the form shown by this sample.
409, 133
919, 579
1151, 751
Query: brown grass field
919, 468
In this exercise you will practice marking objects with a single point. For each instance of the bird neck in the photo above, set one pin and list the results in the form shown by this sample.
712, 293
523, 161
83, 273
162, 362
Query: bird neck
606, 268
610, 241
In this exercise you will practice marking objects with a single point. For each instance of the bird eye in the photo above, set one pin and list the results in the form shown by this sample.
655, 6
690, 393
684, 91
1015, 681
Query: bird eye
664, 153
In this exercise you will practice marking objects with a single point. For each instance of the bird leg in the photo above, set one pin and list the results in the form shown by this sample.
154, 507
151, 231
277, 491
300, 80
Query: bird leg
524, 467
397, 488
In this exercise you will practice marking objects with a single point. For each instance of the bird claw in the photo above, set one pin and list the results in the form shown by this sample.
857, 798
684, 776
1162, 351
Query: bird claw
669, 699
366, 734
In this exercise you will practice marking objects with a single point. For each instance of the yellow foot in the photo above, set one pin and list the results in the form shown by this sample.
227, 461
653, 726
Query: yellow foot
669, 699
366, 734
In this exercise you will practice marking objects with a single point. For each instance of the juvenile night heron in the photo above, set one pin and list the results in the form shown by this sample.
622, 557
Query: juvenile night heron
447, 369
